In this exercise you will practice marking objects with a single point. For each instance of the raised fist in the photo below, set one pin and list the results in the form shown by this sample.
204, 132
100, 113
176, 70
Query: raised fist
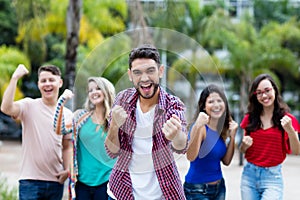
68, 94
20, 71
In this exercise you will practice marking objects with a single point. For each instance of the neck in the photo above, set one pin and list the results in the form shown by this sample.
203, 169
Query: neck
99, 113
213, 124
147, 104
49, 102
268, 110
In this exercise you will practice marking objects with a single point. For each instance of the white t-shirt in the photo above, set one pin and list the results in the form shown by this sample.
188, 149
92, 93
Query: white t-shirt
144, 180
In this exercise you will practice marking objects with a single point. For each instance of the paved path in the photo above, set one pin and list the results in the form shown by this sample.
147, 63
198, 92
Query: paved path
10, 154
232, 176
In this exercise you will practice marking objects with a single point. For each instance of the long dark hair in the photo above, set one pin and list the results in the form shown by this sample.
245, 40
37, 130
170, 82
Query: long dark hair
223, 123
255, 108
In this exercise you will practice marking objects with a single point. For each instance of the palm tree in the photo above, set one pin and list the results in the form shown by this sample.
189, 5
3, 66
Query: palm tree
73, 25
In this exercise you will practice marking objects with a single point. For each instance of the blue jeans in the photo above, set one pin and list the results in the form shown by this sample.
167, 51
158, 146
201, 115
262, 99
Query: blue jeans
261, 183
205, 191
86, 192
36, 189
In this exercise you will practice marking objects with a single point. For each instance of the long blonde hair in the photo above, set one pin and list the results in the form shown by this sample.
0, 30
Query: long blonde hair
108, 90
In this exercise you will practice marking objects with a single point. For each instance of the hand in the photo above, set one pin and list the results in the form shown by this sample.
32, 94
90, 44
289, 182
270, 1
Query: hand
247, 141
286, 123
119, 115
233, 126
20, 71
172, 127
68, 94
62, 176
202, 119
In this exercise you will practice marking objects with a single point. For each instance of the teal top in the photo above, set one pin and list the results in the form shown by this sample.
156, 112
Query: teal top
94, 165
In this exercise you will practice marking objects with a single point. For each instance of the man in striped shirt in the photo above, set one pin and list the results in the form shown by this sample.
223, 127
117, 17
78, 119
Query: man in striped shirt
146, 126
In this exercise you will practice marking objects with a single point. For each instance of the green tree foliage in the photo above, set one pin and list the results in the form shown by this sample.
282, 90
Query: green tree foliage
253, 52
42, 29
8, 23
107, 16
10, 58
279, 11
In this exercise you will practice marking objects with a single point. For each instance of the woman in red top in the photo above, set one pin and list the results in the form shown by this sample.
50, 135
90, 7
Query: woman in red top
270, 132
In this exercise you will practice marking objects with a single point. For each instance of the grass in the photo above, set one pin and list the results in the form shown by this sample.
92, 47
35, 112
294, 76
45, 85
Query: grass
7, 192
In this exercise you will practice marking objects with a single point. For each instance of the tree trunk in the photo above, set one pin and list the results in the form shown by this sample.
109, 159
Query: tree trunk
138, 22
244, 90
244, 93
73, 24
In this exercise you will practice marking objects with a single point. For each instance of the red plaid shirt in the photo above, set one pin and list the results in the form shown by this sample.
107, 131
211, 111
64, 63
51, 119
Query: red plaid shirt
162, 151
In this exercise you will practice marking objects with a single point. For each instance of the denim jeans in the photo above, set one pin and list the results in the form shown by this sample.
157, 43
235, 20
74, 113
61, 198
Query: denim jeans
36, 189
85, 192
205, 191
261, 183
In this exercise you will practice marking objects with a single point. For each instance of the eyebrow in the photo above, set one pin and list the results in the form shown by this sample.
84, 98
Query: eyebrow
263, 88
149, 67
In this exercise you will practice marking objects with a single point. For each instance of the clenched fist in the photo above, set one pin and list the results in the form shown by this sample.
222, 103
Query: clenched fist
68, 94
119, 115
20, 71
172, 127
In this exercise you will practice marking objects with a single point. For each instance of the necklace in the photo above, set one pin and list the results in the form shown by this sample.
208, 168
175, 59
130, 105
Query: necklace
99, 123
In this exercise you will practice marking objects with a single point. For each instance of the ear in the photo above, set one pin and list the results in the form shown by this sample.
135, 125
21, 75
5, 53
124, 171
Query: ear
129, 75
161, 70
60, 83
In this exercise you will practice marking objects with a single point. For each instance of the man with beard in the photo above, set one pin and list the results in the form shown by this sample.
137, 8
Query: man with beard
146, 126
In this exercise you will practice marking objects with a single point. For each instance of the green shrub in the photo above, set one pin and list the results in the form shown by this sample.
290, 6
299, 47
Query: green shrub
7, 192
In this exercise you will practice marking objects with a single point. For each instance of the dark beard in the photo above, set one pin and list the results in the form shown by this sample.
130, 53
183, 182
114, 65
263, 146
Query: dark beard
156, 85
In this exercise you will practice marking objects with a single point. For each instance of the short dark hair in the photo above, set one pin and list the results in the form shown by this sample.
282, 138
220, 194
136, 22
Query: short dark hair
49, 68
144, 51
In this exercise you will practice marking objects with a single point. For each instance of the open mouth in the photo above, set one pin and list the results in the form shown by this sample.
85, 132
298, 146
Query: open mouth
95, 97
146, 88
48, 90
217, 111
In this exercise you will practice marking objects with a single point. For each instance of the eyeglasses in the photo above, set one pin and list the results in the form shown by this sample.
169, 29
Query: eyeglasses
259, 93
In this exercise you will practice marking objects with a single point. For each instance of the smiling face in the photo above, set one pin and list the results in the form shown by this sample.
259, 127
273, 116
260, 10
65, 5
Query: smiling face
49, 85
95, 94
145, 75
265, 93
214, 106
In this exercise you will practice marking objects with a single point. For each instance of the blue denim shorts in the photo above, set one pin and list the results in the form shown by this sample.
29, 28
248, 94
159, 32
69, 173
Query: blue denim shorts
36, 189
205, 191
261, 183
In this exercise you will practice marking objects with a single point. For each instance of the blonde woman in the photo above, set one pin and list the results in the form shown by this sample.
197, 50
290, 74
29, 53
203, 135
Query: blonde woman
91, 165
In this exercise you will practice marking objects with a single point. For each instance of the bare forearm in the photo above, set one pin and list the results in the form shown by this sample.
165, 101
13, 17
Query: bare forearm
194, 144
294, 142
112, 140
243, 148
230, 152
67, 153
8, 98
179, 142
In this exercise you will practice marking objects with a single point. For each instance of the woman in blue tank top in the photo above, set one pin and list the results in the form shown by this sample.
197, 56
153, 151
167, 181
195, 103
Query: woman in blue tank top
209, 130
